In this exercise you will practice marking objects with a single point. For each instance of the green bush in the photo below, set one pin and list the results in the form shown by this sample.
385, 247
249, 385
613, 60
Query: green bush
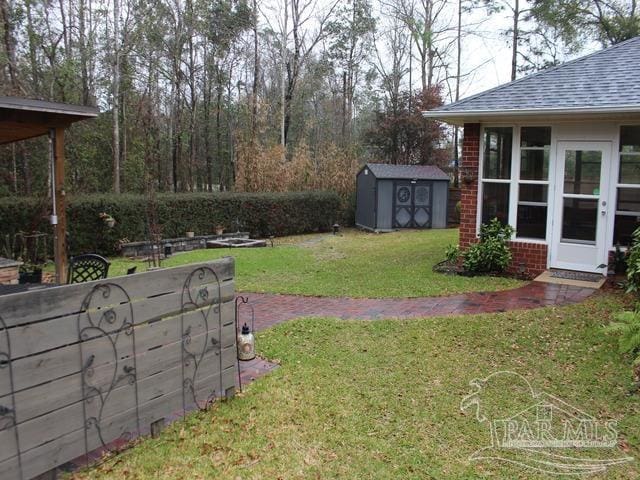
627, 327
260, 214
633, 263
491, 253
452, 254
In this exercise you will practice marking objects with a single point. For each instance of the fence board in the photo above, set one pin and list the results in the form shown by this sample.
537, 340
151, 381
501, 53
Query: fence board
65, 361
71, 445
60, 392
47, 427
46, 335
37, 305
47, 358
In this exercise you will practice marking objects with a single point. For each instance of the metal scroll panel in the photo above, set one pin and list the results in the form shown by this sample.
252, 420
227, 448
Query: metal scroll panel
8, 415
201, 354
108, 363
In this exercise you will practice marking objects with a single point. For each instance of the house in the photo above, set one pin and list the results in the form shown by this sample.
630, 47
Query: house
401, 196
556, 155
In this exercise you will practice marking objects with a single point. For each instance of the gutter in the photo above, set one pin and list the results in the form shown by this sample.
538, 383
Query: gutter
462, 114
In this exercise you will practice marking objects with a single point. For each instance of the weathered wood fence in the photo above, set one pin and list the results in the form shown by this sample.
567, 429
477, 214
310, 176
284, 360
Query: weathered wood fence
85, 366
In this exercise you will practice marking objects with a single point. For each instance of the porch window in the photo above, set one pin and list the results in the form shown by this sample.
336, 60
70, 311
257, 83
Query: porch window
628, 188
496, 173
535, 145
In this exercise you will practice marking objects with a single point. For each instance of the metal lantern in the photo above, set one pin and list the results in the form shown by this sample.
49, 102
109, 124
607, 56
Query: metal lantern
246, 344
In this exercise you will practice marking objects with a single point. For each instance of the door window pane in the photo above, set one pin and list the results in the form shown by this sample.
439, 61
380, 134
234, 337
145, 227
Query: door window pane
582, 172
534, 164
535, 136
495, 202
630, 138
579, 220
497, 152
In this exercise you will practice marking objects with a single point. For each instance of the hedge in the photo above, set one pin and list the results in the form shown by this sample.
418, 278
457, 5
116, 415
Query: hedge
261, 214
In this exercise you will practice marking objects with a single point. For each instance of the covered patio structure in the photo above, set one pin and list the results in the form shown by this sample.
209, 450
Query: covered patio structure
21, 119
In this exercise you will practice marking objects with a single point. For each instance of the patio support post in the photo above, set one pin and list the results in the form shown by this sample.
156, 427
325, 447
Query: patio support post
60, 228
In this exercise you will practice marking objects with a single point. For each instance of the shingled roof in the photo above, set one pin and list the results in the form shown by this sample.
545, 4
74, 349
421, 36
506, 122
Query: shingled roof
604, 81
407, 172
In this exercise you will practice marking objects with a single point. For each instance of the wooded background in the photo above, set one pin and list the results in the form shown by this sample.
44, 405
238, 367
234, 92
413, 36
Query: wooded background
263, 95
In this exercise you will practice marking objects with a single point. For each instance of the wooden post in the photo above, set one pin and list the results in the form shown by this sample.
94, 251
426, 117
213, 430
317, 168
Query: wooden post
60, 229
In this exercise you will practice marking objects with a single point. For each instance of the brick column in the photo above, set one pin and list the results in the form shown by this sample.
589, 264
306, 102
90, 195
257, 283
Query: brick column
469, 184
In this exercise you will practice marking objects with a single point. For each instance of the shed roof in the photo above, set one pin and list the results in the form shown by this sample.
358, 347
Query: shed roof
407, 172
604, 81
22, 118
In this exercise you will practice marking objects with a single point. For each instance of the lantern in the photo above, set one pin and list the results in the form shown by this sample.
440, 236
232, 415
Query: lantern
246, 344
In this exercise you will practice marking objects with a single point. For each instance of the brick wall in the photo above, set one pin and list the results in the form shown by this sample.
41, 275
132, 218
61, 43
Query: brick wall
469, 185
529, 259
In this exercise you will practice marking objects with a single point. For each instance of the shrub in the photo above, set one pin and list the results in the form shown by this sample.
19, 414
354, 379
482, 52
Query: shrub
633, 263
627, 327
491, 253
452, 254
261, 214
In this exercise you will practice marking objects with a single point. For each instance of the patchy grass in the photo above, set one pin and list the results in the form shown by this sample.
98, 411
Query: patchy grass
354, 264
381, 399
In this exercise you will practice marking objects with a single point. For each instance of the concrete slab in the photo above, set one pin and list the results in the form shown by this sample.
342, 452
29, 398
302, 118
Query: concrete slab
547, 278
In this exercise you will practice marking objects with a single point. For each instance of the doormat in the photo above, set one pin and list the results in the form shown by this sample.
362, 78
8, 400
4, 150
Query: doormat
582, 276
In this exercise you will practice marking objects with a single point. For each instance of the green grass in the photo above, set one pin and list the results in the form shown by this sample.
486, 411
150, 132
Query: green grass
381, 399
355, 264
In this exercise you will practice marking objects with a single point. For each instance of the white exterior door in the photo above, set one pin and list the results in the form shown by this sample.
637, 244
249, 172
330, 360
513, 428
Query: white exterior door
580, 214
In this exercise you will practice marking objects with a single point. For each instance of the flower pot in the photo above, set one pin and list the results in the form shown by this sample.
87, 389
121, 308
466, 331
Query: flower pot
34, 276
190, 234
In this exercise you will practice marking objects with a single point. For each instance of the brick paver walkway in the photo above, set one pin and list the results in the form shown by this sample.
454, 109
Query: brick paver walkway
271, 309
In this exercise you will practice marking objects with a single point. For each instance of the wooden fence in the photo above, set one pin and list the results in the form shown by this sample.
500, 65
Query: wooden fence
88, 365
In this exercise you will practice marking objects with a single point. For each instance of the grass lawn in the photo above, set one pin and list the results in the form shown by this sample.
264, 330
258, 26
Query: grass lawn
381, 399
355, 264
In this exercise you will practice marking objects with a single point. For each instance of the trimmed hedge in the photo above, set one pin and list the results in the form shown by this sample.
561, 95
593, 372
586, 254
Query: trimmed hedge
261, 214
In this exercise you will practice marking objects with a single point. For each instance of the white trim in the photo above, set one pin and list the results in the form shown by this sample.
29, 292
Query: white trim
443, 114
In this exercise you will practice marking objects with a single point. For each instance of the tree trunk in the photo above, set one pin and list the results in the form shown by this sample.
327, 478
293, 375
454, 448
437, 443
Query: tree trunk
514, 49
256, 73
284, 123
9, 45
115, 93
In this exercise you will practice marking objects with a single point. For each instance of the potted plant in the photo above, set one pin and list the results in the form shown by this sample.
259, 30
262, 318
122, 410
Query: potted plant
30, 273
219, 229
108, 220
190, 234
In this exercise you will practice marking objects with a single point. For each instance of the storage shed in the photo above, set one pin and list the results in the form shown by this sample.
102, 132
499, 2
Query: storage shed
401, 196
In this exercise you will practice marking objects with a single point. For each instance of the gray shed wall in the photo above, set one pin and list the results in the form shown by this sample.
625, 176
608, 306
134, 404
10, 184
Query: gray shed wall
439, 206
385, 204
366, 200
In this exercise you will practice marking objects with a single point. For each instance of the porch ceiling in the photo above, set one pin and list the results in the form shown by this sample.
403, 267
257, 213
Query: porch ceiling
22, 118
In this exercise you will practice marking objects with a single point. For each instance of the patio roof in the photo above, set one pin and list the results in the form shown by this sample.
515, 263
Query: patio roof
23, 118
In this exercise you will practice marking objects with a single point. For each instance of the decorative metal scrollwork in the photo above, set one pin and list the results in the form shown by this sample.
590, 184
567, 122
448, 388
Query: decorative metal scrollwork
8, 416
107, 361
201, 350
